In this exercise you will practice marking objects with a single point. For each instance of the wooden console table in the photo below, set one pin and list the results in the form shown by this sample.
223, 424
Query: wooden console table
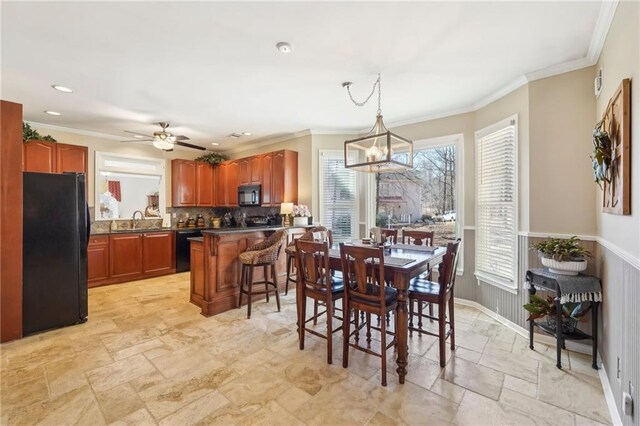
583, 288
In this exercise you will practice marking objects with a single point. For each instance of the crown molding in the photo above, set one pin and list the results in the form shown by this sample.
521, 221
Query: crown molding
514, 85
267, 141
605, 17
75, 131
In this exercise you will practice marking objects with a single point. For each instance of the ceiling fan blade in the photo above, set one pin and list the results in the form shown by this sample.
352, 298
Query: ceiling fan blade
181, 137
188, 145
139, 140
138, 133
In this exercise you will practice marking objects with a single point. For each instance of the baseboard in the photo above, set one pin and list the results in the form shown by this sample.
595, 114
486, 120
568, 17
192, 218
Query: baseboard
608, 394
548, 340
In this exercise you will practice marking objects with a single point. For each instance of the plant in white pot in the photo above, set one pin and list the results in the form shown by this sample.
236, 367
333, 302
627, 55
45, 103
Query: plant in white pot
562, 256
301, 215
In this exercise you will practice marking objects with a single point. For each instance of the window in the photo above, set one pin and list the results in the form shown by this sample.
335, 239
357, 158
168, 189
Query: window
496, 204
338, 196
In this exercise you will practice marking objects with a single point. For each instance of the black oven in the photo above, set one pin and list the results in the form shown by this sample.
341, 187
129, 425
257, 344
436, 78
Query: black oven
249, 195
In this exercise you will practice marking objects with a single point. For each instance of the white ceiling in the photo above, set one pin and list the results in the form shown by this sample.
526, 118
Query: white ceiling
212, 68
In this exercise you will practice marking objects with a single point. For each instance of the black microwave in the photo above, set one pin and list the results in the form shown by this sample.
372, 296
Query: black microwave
249, 195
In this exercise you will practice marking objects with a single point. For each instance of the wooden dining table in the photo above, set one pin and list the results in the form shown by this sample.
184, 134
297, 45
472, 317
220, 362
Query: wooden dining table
399, 277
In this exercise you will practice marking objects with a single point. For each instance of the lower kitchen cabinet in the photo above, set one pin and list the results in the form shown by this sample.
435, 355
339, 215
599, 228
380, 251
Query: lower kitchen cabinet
98, 260
118, 258
158, 253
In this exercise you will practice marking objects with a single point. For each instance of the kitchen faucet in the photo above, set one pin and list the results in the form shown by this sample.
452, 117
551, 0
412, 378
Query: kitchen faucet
135, 222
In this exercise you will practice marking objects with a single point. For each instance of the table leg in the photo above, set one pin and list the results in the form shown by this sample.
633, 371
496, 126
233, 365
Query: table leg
299, 303
532, 290
400, 281
594, 333
558, 333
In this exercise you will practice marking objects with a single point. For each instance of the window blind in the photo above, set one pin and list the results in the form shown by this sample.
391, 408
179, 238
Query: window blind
496, 209
338, 204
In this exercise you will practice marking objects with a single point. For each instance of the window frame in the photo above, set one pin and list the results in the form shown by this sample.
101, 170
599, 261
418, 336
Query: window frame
355, 223
481, 276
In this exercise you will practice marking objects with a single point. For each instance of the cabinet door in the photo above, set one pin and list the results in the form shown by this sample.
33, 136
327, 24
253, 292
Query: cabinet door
125, 256
277, 176
39, 156
266, 161
97, 260
244, 172
204, 184
158, 252
232, 184
221, 184
183, 183
255, 165
72, 158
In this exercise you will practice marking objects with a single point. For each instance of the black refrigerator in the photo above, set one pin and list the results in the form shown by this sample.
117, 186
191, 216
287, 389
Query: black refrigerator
55, 230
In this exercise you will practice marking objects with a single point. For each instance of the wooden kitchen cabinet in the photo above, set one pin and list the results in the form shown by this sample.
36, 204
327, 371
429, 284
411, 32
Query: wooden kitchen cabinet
284, 177
221, 184
71, 158
204, 184
232, 184
266, 161
183, 183
244, 171
158, 252
54, 157
39, 156
255, 166
98, 260
125, 256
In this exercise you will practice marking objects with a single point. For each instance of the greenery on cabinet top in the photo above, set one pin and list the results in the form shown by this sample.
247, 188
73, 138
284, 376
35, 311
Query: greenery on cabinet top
29, 133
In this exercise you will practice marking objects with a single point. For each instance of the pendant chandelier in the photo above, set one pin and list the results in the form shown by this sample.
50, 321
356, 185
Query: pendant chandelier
379, 150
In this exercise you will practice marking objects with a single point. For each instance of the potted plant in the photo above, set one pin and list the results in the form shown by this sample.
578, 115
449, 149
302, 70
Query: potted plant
30, 134
300, 215
561, 256
539, 307
213, 158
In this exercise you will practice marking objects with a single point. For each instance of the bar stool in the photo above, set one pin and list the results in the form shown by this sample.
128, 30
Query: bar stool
419, 238
263, 254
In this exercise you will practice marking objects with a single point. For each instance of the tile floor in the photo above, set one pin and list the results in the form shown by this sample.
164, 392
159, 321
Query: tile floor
147, 356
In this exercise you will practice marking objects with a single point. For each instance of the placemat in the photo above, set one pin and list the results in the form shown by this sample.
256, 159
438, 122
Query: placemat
388, 260
427, 249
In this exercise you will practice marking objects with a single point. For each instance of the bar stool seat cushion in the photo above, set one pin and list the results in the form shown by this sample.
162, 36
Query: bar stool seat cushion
264, 252
390, 295
419, 286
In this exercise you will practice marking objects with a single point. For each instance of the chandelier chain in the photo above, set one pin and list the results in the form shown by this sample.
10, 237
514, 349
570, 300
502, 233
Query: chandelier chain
373, 90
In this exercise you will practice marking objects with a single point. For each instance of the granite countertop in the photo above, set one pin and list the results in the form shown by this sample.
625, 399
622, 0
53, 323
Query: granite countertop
234, 230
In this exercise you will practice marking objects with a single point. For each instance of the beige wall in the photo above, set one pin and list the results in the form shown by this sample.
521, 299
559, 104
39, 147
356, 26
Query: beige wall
620, 59
561, 187
114, 146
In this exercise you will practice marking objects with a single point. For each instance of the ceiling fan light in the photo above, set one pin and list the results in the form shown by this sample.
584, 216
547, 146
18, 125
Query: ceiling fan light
161, 143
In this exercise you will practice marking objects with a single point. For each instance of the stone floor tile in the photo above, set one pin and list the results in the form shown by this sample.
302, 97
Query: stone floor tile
111, 375
138, 418
523, 368
483, 380
415, 406
119, 402
537, 409
197, 410
519, 385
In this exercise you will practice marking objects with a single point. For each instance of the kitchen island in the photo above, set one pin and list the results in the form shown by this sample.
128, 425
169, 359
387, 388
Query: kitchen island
215, 268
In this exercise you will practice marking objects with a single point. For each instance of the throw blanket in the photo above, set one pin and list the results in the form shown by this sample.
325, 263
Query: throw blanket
573, 289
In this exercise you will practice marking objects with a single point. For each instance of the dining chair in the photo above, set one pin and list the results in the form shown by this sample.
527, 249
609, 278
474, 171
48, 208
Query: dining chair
441, 294
290, 251
365, 291
312, 259
420, 238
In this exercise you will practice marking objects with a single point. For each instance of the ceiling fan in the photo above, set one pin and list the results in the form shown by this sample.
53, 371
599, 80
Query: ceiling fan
165, 140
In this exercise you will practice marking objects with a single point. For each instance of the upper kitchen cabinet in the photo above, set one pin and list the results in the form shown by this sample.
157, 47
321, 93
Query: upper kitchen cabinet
255, 165
183, 183
244, 171
191, 183
220, 179
53, 157
284, 177
232, 184
266, 161
204, 184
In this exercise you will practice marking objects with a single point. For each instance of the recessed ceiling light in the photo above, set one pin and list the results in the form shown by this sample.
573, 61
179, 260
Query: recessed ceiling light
215, 143
284, 47
62, 88
247, 133
235, 135
53, 113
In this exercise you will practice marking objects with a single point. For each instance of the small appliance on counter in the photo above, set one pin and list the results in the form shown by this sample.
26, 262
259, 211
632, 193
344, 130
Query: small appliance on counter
181, 223
191, 223
215, 222
200, 221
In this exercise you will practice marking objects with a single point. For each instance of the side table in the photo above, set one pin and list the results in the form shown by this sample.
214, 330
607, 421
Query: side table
584, 288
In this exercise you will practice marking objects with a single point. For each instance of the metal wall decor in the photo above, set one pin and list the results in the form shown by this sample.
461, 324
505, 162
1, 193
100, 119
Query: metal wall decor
616, 198
379, 150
